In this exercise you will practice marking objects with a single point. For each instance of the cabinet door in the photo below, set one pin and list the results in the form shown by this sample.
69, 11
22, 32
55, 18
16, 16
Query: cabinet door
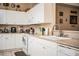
36, 14
16, 17
63, 50
2, 42
24, 18
49, 48
76, 53
2, 16
18, 41
29, 18
34, 47
5, 42
11, 17
9, 41
21, 18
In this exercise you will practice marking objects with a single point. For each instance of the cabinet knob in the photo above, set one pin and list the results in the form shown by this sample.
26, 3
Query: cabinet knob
44, 47
6, 38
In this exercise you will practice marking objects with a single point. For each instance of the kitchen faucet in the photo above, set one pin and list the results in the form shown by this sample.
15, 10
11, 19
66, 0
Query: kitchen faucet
57, 27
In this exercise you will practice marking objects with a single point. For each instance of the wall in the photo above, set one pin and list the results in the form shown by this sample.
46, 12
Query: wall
66, 16
68, 34
50, 15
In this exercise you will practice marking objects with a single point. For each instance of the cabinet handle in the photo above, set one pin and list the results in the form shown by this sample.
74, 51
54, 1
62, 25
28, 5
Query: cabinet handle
6, 38
44, 47
61, 46
24, 41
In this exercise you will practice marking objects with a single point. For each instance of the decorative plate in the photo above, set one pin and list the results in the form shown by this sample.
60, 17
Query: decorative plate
13, 5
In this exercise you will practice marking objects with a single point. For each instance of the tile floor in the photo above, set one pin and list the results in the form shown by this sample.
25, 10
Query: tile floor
9, 52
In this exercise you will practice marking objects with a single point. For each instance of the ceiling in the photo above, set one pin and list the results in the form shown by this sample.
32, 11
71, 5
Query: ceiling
26, 6
73, 4
17, 6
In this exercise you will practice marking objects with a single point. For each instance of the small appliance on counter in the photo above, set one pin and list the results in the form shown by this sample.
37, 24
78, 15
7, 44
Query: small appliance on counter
13, 29
38, 31
22, 31
44, 31
6, 30
27, 31
1, 31
32, 31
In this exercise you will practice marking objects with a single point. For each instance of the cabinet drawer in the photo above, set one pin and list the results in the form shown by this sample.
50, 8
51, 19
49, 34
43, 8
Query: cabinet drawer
77, 53
66, 50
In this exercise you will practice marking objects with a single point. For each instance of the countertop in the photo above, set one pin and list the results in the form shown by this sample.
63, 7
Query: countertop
66, 42
71, 43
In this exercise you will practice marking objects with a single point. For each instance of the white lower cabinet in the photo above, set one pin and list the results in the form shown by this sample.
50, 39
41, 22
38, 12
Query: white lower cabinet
5, 42
9, 41
34, 48
2, 43
65, 51
18, 41
49, 48
77, 53
41, 47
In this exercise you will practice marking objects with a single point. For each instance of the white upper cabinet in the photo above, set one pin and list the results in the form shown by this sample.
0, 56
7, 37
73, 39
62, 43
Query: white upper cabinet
10, 17
2, 16
21, 18
36, 14
41, 13
16, 17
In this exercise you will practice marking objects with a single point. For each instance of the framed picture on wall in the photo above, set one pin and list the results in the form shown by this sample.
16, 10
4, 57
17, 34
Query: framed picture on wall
6, 4
60, 13
61, 21
73, 19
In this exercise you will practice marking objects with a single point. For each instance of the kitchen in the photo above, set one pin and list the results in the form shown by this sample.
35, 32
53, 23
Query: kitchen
39, 29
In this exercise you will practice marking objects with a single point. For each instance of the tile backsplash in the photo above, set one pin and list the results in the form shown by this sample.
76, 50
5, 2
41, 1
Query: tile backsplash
20, 28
